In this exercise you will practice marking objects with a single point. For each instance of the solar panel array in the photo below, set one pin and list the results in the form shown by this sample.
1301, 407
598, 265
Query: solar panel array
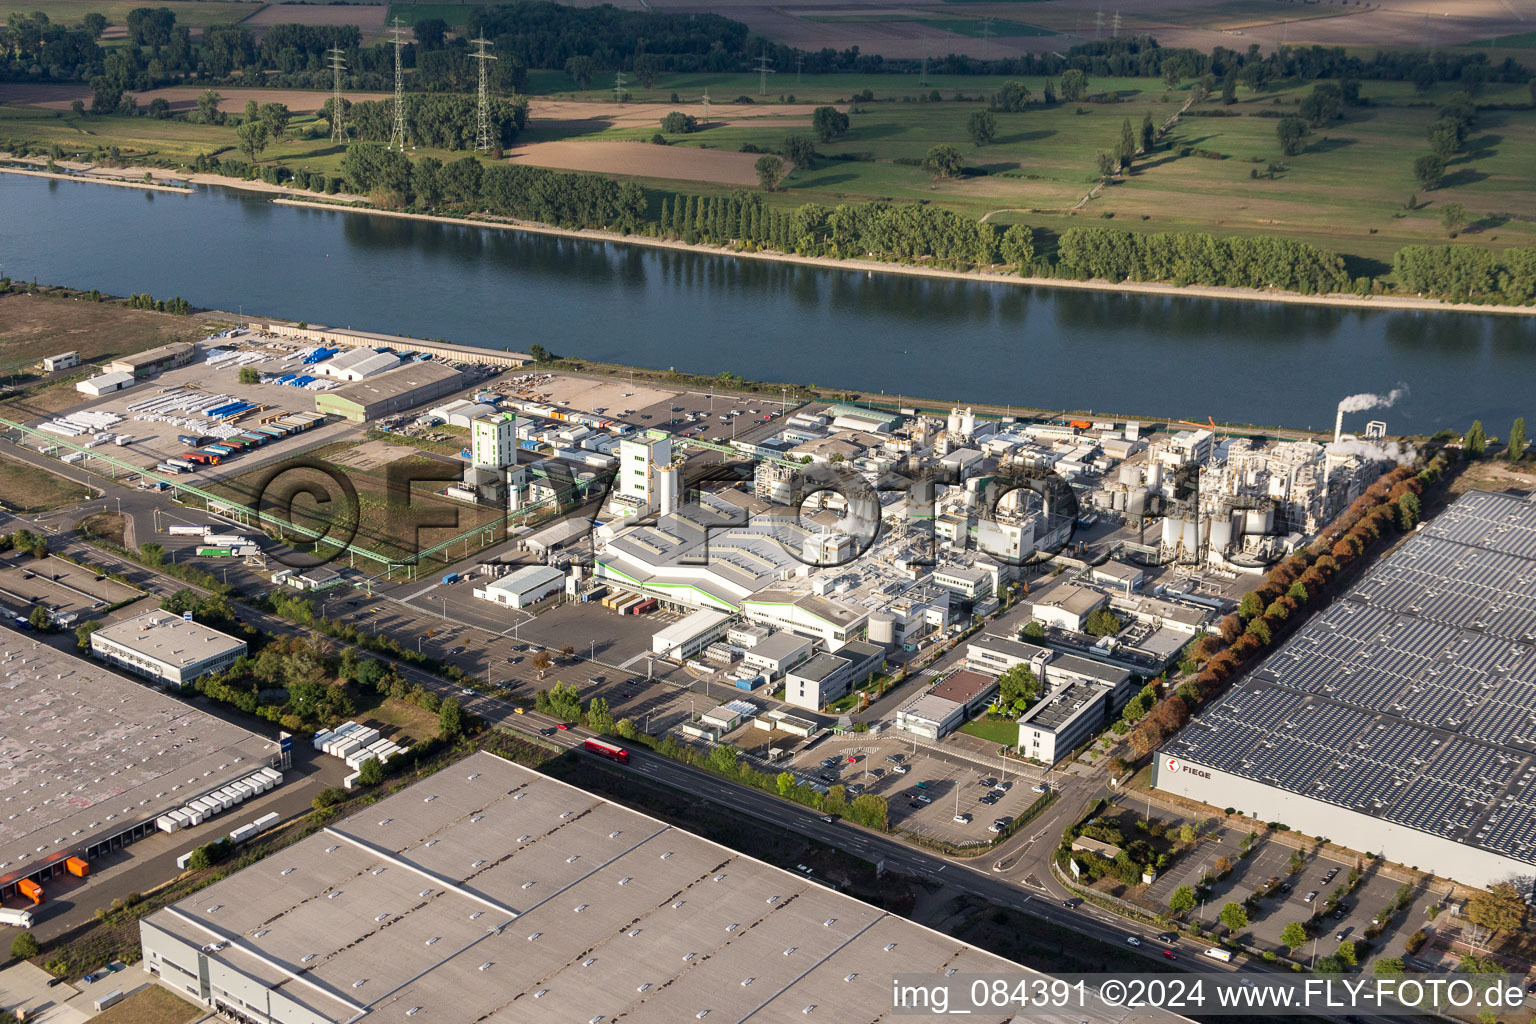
1412, 699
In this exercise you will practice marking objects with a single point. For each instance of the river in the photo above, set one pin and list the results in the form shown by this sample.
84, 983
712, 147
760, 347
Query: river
946, 340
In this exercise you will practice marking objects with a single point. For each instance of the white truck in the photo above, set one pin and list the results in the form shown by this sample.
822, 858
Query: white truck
16, 918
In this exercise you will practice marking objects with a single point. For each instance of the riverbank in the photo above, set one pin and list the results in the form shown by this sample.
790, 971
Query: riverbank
1377, 302
120, 182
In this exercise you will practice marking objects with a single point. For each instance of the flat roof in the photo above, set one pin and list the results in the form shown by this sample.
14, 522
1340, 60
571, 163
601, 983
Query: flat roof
169, 638
490, 891
89, 753
1070, 598
779, 646
154, 355
819, 667
690, 626
932, 709
1062, 706
395, 383
963, 686
1410, 698
112, 378
527, 578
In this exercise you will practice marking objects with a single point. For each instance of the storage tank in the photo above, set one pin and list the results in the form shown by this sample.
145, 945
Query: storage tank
882, 628
1221, 533
1189, 532
1136, 501
1130, 475
1259, 520
1171, 526
1117, 500
1155, 475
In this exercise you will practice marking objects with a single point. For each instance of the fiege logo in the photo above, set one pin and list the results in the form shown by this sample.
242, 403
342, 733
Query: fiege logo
1175, 766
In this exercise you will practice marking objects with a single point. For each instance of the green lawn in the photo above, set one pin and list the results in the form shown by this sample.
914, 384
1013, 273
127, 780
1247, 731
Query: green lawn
1521, 41
1002, 731
455, 15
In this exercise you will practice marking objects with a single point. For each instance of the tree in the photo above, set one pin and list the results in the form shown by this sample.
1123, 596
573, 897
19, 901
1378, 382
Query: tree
1515, 450
430, 33
1294, 936
328, 797
1034, 630
800, 150
94, 23
200, 859
40, 619
1187, 833
770, 171
1453, 217
1017, 688
1183, 900
1430, 170
1329, 964
83, 633
599, 716
785, 783
152, 554
1102, 622
1148, 134
541, 662
1126, 151
679, 123
1500, 908
253, 138
1474, 442
982, 127
1251, 604
1073, 84
1011, 98
1389, 965
24, 946
370, 772
722, 759
1107, 166
647, 67
829, 123
276, 117
1290, 131
208, 107
1259, 629
450, 718
1222, 866
942, 161
1234, 917
581, 68
249, 375
1346, 953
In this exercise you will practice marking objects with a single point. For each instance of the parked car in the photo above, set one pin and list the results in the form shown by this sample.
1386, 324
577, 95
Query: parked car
893, 758
902, 769
1310, 896
1343, 933
922, 798
963, 818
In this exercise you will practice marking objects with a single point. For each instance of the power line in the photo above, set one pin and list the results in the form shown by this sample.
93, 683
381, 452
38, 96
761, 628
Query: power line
397, 134
705, 100
763, 71
483, 129
1116, 24
338, 65
618, 87
799, 63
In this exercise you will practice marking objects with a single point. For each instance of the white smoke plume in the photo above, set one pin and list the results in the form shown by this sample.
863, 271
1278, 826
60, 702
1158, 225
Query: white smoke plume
1401, 453
1360, 403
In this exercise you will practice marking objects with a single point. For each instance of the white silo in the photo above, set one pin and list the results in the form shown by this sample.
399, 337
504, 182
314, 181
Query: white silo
1221, 533
667, 482
882, 628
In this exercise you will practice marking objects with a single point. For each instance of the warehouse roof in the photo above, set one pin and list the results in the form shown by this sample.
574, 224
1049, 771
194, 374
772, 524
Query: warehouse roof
173, 350
489, 890
113, 379
1410, 698
529, 577
395, 383
963, 686
95, 753
819, 667
169, 638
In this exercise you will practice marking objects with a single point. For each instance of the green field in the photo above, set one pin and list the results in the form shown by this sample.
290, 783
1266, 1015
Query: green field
1348, 191
1002, 731
456, 16
194, 14
1523, 41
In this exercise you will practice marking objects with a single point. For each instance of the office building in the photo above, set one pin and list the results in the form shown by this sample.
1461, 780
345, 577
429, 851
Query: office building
165, 647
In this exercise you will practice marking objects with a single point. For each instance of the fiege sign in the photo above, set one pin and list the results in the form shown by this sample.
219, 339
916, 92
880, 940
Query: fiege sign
1176, 766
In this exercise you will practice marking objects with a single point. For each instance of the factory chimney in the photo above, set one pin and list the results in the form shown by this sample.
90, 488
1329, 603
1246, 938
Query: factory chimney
1338, 426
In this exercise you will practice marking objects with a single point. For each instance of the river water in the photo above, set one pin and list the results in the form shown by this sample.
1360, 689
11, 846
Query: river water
1239, 361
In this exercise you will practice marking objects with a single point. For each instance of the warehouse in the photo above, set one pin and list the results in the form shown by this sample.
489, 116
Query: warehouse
62, 361
165, 647
490, 891
389, 393
1399, 720
357, 363
524, 587
690, 634
144, 364
100, 758
106, 383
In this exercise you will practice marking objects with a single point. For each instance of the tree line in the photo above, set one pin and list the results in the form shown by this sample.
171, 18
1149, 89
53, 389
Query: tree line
1467, 273
1191, 257
438, 120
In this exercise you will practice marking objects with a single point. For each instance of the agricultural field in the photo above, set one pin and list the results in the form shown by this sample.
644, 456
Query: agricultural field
34, 326
195, 14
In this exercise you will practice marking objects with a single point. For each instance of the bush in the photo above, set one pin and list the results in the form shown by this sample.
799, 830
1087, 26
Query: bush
24, 946
328, 797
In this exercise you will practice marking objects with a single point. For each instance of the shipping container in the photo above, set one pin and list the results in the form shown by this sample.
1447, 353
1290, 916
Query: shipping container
648, 605
182, 530
265, 821
192, 440
77, 867
452, 577
214, 552
242, 833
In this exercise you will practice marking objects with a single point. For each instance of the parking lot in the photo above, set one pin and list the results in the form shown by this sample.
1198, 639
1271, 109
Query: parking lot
1271, 858
924, 790
62, 587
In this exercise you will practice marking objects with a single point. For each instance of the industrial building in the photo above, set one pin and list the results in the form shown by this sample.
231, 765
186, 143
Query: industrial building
1398, 721
165, 647
493, 441
96, 759
62, 361
777, 654
489, 891
690, 634
943, 708
144, 364
106, 383
824, 678
525, 587
389, 393
357, 363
